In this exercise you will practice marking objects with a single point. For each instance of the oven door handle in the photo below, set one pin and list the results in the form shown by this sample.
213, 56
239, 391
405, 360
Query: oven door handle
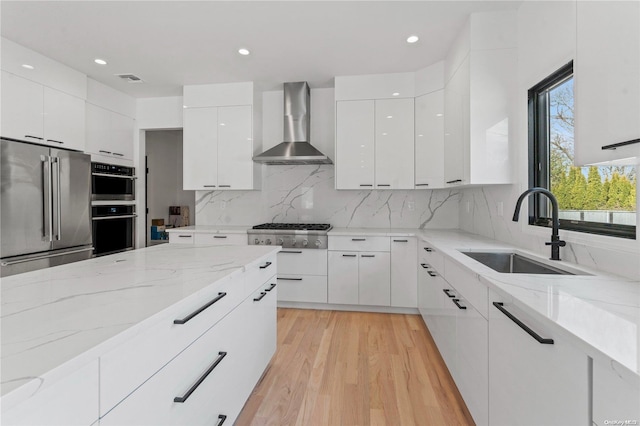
114, 176
124, 216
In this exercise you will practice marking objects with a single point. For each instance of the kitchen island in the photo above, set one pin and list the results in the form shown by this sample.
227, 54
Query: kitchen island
83, 338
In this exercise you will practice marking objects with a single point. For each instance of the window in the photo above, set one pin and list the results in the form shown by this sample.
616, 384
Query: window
596, 200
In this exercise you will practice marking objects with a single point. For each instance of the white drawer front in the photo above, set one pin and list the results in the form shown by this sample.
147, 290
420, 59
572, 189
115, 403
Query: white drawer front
302, 288
181, 237
259, 273
153, 403
431, 256
73, 400
302, 262
468, 285
221, 239
359, 243
130, 364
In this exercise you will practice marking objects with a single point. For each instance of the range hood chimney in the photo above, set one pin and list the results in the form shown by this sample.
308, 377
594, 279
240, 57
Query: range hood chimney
296, 148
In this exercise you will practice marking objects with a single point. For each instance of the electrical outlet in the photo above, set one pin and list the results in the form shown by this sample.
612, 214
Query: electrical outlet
500, 208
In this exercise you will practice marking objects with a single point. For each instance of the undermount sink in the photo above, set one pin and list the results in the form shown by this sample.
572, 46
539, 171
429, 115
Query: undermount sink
514, 263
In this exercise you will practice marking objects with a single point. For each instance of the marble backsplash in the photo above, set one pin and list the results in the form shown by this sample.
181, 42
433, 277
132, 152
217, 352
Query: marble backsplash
306, 193
479, 215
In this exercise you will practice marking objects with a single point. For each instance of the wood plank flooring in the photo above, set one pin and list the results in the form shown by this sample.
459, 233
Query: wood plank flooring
354, 368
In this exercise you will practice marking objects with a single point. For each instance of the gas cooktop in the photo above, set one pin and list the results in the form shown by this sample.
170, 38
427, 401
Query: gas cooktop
294, 226
290, 235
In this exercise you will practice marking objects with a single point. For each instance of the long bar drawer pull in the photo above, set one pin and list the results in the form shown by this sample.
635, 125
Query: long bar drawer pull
224, 186
55, 141
266, 265
271, 287
220, 236
292, 252
542, 340
186, 396
367, 255
432, 274
221, 419
199, 310
363, 184
425, 266
458, 305
429, 249
422, 184
185, 236
34, 137
446, 291
358, 239
259, 298
454, 181
400, 241
290, 279
348, 255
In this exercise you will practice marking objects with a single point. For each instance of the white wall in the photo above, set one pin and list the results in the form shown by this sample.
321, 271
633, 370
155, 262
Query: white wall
546, 41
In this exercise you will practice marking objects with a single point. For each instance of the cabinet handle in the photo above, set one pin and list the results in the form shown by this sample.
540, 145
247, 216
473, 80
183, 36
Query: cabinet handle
55, 141
186, 396
224, 186
358, 239
429, 249
348, 255
271, 287
432, 274
209, 186
221, 419
292, 252
220, 236
458, 305
290, 279
199, 310
383, 184
542, 340
118, 154
259, 298
184, 236
425, 266
446, 291
367, 255
365, 185
266, 265
400, 241
454, 181
34, 137
422, 184
104, 152
619, 144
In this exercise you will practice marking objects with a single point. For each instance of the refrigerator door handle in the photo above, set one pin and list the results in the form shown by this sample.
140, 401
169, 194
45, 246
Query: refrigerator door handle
58, 213
46, 256
47, 199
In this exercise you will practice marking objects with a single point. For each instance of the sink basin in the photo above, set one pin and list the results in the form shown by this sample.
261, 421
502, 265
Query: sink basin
513, 263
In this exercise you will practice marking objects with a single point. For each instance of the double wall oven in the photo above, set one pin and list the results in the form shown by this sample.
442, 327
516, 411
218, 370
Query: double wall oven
113, 212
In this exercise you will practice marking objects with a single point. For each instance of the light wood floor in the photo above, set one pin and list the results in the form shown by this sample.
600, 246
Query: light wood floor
354, 368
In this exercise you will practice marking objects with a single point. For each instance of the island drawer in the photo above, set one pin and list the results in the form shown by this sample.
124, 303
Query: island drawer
359, 243
221, 239
259, 273
126, 367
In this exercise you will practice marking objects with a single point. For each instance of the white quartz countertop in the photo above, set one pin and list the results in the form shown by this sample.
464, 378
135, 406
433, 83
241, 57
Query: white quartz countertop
212, 229
599, 312
54, 315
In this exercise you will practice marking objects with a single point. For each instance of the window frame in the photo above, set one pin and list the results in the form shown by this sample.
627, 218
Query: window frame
539, 158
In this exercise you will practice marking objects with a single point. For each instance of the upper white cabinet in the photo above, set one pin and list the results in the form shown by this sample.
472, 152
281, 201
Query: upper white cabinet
429, 140
607, 86
480, 74
219, 141
374, 144
109, 134
36, 113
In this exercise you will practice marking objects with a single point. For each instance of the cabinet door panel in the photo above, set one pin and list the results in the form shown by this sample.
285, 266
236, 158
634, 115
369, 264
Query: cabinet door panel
64, 120
374, 279
394, 153
446, 324
456, 124
431, 299
404, 275
343, 277
235, 146
355, 145
22, 108
200, 148
429, 141
616, 394
98, 130
122, 136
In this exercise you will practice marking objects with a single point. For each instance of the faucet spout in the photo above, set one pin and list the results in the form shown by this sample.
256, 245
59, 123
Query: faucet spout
555, 242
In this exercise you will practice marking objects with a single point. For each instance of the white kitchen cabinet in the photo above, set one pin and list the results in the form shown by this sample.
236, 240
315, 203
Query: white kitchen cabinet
181, 237
374, 144
109, 134
302, 275
394, 130
200, 148
374, 279
430, 298
616, 394
355, 145
532, 382
220, 239
456, 124
446, 324
36, 113
607, 87
429, 140
404, 274
235, 148
343, 277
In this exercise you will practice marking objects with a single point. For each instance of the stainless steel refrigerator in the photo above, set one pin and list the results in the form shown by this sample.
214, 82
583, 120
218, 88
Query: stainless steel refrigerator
45, 203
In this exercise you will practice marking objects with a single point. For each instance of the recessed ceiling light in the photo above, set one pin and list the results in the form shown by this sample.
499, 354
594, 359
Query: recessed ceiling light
27, 66
243, 51
100, 61
438, 115
412, 39
389, 116
395, 94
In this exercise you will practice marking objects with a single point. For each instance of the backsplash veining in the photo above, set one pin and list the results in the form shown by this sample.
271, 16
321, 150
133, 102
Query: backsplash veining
306, 193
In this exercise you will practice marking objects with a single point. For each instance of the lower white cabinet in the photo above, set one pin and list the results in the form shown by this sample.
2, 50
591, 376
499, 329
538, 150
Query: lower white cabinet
404, 275
302, 275
616, 395
181, 237
220, 239
533, 381
343, 277
359, 278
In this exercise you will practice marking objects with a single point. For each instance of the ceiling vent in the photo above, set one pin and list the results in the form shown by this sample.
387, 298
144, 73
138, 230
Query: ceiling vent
130, 78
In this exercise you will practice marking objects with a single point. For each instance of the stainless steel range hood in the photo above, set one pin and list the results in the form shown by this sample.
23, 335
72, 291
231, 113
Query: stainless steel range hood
296, 148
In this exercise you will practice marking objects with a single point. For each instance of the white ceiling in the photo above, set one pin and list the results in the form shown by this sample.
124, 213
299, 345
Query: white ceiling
172, 43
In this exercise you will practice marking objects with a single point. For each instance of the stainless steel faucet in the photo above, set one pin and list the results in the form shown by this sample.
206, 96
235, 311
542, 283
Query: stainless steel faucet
555, 242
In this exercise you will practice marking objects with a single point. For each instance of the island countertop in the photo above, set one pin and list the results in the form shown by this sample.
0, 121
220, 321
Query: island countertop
54, 315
